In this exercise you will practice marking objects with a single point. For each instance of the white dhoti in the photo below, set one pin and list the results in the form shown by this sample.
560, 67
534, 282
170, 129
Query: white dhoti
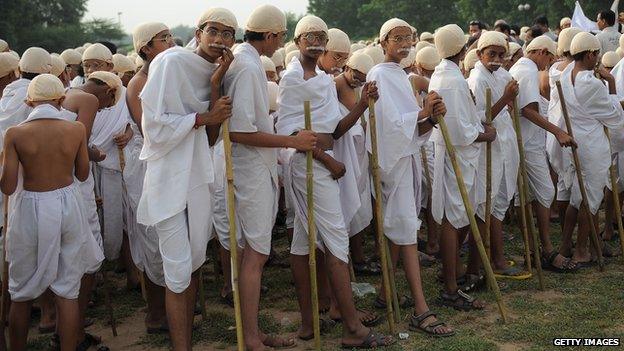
110, 182
90, 212
364, 214
446, 200
283, 157
330, 227
49, 244
540, 184
400, 189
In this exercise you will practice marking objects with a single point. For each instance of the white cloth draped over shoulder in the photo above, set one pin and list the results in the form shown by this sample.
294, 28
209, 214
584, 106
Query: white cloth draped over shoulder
591, 107
464, 126
399, 152
13, 109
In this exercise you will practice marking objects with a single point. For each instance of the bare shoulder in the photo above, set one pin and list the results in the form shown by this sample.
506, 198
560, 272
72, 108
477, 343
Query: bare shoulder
12, 133
77, 99
135, 85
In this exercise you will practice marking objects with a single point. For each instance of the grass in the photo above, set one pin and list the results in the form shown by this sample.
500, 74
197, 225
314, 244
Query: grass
585, 304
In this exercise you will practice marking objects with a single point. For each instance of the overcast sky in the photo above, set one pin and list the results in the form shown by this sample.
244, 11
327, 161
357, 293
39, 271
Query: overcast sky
175, 12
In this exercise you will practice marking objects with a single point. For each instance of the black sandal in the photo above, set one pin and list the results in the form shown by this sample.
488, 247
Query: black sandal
368, 322
459, 301
416, 324
472, 282
371, 341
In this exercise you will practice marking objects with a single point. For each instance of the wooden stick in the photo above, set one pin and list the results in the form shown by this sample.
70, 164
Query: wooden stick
527, 210
396, 308
105, 282
229, 174
579, 176
312, 232
381, 238
122, 166
616, 196
4, 304
488, 174
450, 149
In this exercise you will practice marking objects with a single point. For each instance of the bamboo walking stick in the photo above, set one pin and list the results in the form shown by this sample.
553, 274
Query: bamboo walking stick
579, 176
105, 282
616, 196
229, 173
450, 149
4, 304
381, 238
488, 174
312, 233
122, 166
526, 212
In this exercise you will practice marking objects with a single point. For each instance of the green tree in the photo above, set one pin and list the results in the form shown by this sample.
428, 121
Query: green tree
291, 22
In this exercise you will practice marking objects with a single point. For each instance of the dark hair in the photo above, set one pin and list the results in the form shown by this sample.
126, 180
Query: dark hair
515, 28
253, 36
579, 56
504, 27
477, 23
541, 20
112, 47
472, 40
29, 75
536, 31
608, 16
97, 81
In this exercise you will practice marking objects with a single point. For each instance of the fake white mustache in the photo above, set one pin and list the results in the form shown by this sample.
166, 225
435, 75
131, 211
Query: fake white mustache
402, 50
495, 64
316, 48
217, 46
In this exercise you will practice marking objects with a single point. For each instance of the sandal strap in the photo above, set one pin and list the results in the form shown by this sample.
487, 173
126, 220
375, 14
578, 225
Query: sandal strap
465, 296
421, 317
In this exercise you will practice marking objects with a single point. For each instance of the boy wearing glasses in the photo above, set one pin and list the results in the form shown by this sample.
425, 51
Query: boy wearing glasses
254, 157
466, 133
403, 127
302, 81
489, 74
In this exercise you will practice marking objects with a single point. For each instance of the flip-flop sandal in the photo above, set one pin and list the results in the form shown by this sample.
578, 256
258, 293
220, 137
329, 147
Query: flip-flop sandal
459, 301
162, 329
416, 324
584, 265
365, 322
371, 341
569, 266
278, 343
514, 273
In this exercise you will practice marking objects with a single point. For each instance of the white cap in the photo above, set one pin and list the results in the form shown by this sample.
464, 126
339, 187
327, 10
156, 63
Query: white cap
267, 64
376, 54
8, 63
290, 47
426, 36
492, 38
356, 46
45, 87
338, 41
390, 25
470, 59
266, 18
35, 60
565, 39
123, 64
513, 48
449, 40
81, 51
619, 52
428, 58
98, 51
3, 45
622, 41
110, 79
564, 21
58, 65
423, 44
310, 23
584, 41
71, 57
610, 59
360, 62
542, 43
290, 55
278, 58
273, 90
219, 15
145, 32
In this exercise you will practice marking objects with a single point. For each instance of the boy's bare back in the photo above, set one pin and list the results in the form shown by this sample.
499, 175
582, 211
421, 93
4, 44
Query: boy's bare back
49, 151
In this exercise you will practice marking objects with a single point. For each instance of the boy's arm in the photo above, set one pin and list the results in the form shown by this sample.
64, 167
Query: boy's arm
81, 163
134, 103
10, 168
530, 112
